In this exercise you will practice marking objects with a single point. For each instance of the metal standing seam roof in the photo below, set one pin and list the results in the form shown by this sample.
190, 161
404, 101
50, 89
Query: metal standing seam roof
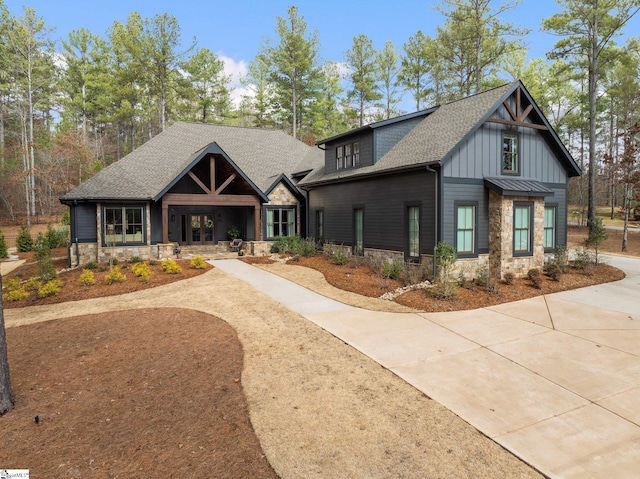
517, 187
144, 173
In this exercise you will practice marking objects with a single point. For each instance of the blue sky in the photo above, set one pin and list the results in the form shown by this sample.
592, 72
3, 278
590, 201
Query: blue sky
235, 29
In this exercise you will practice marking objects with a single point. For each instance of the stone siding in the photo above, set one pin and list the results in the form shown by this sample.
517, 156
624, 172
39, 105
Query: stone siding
282, 196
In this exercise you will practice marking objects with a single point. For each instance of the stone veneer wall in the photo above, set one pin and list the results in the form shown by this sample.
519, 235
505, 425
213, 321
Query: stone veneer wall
501, 259
281, 196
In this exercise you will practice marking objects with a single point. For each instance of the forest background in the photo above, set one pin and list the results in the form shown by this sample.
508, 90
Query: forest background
71, 105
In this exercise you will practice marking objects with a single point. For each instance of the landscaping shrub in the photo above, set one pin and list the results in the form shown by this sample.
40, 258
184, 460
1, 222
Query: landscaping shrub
171, 267
413, 273
15, 295
535, 277
90, 265
4, 249
482, 277
391, 268
509, 278
56, 237
561, 257
153, 262
597, 236
198, 262
585, 261
553, 270
445, 288
336, 254
87, 278
66, 218
114, 276
46, 269
135, 259
24, 242
51, 288
142, 271
34, 284
12, 284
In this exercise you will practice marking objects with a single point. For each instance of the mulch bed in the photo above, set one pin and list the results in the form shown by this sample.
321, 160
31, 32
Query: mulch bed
142, 393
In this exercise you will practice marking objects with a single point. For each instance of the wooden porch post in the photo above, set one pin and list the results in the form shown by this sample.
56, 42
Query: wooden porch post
165, 223
256, 222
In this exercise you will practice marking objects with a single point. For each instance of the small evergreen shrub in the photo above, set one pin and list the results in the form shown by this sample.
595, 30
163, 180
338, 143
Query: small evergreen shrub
15, 295
87, 278
413, 273
535, 277
114, 276
135, 259
4, 248
553, 270
56, 237
153, 262
170, 266
34, 284
509, 278
391, 268
482, 277
142, 271
90, 265
304, 247
51, 288
198, 262
66, 218
24, 242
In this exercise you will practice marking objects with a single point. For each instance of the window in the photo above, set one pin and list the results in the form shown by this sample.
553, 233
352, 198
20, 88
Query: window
549, 227
320, 225
355, 159
510, 153
281, 222
414, 231
465, 229
339, 157
348, 156
123, 225
522, 231
358, 231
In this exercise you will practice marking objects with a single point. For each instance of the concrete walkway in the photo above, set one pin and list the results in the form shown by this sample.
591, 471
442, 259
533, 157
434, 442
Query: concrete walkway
554, 379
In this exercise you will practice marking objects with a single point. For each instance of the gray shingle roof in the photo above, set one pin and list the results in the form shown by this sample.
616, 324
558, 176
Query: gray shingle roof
431, 140
143, 174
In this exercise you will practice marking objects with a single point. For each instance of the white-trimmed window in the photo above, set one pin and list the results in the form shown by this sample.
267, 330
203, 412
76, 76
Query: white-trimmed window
549, 227
465, 229
281, 221
123, 225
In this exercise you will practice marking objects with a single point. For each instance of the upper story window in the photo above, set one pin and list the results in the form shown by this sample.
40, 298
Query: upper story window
510, 156
348, 155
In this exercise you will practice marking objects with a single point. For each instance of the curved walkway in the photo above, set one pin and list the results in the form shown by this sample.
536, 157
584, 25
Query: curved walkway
554, 379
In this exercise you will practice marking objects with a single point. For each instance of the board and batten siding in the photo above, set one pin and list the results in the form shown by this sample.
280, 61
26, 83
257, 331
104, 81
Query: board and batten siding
469, 192
480, 156
385, 200
84, 222
559, 199
365, 139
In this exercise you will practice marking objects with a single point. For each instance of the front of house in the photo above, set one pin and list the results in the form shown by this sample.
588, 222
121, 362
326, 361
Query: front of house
189, 186
486, 174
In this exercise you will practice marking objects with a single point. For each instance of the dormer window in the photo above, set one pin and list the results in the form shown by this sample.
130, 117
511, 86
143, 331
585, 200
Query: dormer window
510, 157
348, 156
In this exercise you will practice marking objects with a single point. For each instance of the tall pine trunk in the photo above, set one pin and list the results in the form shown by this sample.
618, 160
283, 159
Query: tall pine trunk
6, 393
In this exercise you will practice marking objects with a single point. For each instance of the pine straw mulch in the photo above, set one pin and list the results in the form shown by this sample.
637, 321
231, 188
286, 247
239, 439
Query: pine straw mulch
139, 393
358, 277
72, 290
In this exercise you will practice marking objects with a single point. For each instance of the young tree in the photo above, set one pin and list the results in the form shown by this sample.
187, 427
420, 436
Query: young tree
328, 119
388, 69
294, 67
588, 28
6, 393
260, 98
361, 59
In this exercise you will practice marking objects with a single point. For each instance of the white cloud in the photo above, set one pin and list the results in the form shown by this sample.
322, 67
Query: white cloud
236, 70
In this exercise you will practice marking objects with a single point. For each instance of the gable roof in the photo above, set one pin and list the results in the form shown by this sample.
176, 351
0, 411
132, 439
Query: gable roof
440, 132
261, 155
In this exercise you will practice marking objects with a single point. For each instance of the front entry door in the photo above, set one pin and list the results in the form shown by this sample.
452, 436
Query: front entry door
201, 227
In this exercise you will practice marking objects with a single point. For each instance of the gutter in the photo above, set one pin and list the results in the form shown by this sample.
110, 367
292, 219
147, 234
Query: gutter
435, 229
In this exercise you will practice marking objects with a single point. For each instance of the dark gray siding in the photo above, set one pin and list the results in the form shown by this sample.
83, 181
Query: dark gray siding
386, 137
480, 156
366, 150
156, 222
84, 223
559, 198
385, 200
453, 190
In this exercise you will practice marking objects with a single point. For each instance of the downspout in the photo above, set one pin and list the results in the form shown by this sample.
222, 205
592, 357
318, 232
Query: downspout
75, 230
435, 229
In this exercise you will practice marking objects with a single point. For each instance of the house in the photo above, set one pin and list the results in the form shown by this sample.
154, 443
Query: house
189, 186
486, 174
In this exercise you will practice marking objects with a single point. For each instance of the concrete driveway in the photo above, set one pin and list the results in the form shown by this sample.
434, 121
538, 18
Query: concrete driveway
554, 379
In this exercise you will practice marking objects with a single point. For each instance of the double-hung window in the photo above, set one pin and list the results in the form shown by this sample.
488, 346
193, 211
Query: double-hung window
465, 229
348, 155
522, 229
549, 227
123, 225
340, 157
510, 160
281, 221
355, 157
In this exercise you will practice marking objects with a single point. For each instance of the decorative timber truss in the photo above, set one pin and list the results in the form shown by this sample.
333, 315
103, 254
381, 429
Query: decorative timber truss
519, 116
214, 194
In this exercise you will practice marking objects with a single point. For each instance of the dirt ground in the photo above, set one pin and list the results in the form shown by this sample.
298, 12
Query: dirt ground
613, 244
